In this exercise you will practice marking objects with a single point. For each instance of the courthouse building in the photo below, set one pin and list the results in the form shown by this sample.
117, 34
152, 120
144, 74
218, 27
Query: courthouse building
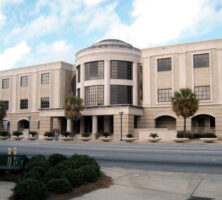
113, 77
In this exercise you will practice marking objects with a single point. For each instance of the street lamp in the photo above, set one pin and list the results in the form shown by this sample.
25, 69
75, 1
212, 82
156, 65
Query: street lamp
121, 128
29, 117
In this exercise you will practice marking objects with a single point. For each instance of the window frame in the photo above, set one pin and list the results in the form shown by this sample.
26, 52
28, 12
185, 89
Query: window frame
94, 70
126, 97
164, 97
200, 89
24, 81
46, 103
164, 68
45, 80
5, 83
94, 97
200, 63
24, 104
118, 69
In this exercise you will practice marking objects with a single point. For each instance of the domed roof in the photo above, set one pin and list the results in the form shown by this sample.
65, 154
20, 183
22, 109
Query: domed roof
110, 43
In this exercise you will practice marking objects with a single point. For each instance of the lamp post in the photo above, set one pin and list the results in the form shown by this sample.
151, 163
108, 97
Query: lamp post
121, 128
29, 117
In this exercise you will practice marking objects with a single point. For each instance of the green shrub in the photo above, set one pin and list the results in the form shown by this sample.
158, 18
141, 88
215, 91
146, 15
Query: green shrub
129, 135
81, 160
209, 135
88, 173
180, 134
17, 133
105, 134
59, 186
197, 135
37, 161
153, 135
32, 174
85, 134
33, 133
75, 177
66, 133
48, 134
53, 173
56, 158
30, 189
37, 157
42, 171
4, 133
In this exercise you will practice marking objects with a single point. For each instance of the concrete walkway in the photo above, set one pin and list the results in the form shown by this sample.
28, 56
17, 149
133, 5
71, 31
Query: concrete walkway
131, 184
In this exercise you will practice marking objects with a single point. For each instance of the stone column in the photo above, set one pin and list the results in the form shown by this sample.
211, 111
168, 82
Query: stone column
94, 126
107, 82
69, 125
135, 84
82, 79
56, 123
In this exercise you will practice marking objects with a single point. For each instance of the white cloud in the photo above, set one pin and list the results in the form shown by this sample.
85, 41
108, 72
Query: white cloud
92, 2
57, 51
160, 21
12, 55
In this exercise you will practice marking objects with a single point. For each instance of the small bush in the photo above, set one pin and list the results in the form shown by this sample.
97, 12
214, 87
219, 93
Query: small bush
37, 161
88, 173
59, 186
209, 135
48, 134
33, 133
129, 135
32, 174
30, 189
85, 135
54, 173
153, 135
4, 133
180, 134
66, 134
17, 133
197, 135
56, 158
106, 134
40, 170
75, 177
81, 160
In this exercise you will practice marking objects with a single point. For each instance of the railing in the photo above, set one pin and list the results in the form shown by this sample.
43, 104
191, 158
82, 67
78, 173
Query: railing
203, 130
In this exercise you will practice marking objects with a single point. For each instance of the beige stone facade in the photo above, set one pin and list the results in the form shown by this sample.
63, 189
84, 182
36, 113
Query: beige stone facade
111, 77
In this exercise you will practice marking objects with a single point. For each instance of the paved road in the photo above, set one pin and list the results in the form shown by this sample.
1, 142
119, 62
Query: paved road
202, 158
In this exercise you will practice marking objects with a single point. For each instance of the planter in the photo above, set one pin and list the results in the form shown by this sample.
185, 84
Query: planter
85, 139
66, 138
4, 137
17, 138
129, 139
180, 140
32, 138
48, 138
209, 140
154, 139
105, 139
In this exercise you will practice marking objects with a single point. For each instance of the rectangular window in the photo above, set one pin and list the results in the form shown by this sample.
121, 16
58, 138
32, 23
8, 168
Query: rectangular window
45, 102
94, 70
164, 95
5, 83
78, 72
24, 81
94, 95
202, 92
120, 94
121, 69
23, 104
6, 104
201, 60
45, 77
78, 92
164, 64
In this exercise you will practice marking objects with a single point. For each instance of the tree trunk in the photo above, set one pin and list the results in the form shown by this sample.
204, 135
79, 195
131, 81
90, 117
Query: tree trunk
185, 126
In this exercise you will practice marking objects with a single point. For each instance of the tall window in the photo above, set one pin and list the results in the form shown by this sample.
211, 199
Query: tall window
24, 81
78, 92
164, 64
94, 95
121, 94
94, 70
6, 104
164, 95
201, 60
78, 72
24, 104
202, 92
121, 69
45, 77
5, 83
45, 102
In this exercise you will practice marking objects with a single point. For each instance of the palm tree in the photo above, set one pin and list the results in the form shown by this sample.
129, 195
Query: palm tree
185, 104
2, 112
72, 107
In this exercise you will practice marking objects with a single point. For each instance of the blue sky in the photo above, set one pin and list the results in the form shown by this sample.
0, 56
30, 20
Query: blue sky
39, 31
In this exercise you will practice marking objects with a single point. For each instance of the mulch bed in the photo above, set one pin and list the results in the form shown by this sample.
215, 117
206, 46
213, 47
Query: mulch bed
103, 182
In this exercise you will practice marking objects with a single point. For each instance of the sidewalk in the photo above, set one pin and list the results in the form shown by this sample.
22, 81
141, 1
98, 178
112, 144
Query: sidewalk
131, 184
